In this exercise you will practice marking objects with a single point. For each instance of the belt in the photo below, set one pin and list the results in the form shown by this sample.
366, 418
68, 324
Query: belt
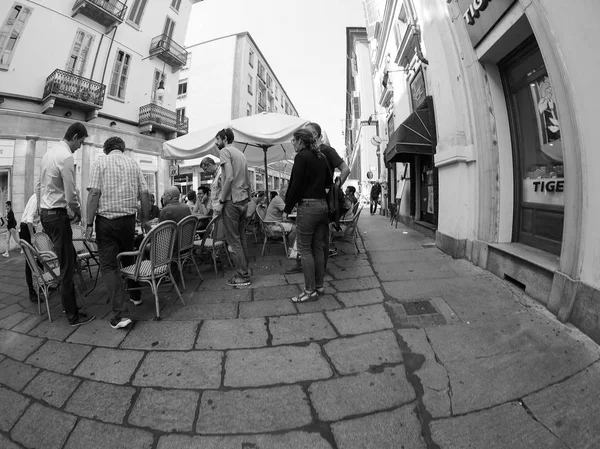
55, 211
311, 200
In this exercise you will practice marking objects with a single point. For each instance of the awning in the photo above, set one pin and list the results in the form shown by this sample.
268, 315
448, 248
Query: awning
415, 136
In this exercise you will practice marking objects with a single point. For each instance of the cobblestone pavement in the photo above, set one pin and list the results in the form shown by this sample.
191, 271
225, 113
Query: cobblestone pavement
408, 349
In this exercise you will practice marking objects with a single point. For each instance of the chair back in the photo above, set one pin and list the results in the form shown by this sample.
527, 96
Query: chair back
42, 242
31, 257
161, 239
261, 211
186, 232
78, 239
353, 225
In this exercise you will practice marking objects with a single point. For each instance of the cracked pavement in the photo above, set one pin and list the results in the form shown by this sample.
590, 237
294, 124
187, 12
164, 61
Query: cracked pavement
408, 348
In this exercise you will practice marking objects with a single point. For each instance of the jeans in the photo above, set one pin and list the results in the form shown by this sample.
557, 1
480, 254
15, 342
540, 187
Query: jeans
373, 205
234, 221
115, 236
312, 227
57, 225
24, 234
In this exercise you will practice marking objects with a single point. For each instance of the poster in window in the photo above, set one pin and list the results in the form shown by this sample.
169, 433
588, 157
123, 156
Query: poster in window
430, 209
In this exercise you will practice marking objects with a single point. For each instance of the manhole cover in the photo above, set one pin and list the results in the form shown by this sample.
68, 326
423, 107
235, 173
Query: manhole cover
419, 308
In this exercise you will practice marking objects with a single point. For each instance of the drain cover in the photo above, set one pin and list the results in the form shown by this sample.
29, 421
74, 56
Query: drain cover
419, 308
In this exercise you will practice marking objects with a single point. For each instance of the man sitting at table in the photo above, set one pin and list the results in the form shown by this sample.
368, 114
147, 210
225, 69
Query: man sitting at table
173, 209
275, 213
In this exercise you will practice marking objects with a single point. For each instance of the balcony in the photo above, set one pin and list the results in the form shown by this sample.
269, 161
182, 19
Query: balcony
168, 51
108, 13
155, 117
67, 89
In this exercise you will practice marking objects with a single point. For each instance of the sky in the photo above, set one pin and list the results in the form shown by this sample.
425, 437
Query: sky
304, 42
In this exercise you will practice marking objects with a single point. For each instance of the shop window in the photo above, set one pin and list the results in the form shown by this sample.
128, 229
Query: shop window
151, 182
11, 32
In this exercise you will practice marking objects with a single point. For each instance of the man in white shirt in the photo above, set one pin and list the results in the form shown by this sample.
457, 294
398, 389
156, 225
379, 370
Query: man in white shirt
57, 191
29, 220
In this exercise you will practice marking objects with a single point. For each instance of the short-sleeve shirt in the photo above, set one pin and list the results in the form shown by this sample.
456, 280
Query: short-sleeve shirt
275, 209
174, 211
121, 183
240, 187
30, 214
333, 158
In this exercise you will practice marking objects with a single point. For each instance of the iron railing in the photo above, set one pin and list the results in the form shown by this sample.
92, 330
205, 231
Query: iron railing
114, 7
74, 87
153, 114
164, 44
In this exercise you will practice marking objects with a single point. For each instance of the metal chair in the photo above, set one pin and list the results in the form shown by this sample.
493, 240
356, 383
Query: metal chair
348, 232
43, 244
84, 250
45, 276
153, 266
252, 225
209, 243
273, 231
184, 248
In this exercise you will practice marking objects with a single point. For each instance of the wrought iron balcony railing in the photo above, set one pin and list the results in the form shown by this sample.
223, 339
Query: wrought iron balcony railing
162, 118
106, 12
169, 51
71, 88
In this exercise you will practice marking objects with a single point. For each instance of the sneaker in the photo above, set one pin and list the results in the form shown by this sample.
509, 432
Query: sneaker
237, 281
80, 319
320, 291
333, 251
294, 269
120, 323
5, 254
136, 302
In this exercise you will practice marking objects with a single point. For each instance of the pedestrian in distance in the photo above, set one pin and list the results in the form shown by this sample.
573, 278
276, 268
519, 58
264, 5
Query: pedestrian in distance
309, 181
234, 196
375, 192
57, 191
116, 184
11, 228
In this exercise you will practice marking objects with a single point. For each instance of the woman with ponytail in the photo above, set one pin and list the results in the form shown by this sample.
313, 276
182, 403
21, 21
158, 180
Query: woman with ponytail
309, 182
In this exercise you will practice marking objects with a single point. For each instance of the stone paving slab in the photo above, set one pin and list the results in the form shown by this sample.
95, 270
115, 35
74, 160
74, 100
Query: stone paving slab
97, 333
205, 311
253, 411
300, 328
52, 388
347, 262
161, 335
502, 427
360, 320
5, 443
351, 272
325, 302
268, 280
58, 329
414, 270
43, 427
399, 428
269, 366
273, 307
15, 374
110, 365
361, 298
291, 440
11, 321
9, 310
13, 406
232, 334
219, 296
277, 292
184, 370
28, 323
371, 392
58, 356
104, 402
96, 435
18, 346
364, 283
571, 410
165, 410
360, 353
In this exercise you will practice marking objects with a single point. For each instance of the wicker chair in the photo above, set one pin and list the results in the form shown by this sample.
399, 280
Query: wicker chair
44, 275
207, 244
152, 266
43, 244
85, 250
273, 231
184, 248
348, 232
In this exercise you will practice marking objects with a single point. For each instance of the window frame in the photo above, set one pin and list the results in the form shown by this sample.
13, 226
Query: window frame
83, 66
175, 5
251, 58
250, 82
172, 23
138, 7
115, 96
248, 109
5, 24
183, 82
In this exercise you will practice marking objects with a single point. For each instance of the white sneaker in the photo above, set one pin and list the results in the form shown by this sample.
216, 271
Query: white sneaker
5, 254
120, 323
136, 303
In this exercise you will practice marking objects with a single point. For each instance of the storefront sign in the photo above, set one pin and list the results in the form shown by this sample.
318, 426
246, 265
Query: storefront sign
146, 162
417, 90
544, 191
7, 152
481, 16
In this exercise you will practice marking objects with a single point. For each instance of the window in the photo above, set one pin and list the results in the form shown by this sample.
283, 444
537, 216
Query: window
276, 93
182, 89
248, 109
250, 84
269, 82
150, 182
251, 58
180, 114
79, 52
158, 76
136, 11
261, 98
175, 4
400, 26
120, 73
11, 32
169, 27
188, 61
261, 71
282, 101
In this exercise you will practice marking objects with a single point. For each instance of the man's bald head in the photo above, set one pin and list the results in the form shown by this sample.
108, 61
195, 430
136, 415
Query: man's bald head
171, 194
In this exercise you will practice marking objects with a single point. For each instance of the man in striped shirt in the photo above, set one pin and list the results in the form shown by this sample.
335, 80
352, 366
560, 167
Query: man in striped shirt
116, 184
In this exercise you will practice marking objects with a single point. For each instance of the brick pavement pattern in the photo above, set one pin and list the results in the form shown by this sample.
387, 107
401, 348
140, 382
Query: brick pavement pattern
408, 348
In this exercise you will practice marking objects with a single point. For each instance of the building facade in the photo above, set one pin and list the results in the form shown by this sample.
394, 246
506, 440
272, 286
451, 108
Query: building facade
511, 89
109, 64
227, 78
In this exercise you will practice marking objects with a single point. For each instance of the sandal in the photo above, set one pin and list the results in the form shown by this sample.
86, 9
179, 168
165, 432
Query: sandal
320, 291
306, 296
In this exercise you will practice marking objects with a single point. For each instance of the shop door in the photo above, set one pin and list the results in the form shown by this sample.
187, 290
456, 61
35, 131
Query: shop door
537, 150
428, 203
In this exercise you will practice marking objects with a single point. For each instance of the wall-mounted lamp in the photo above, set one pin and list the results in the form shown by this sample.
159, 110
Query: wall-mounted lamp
113, 124
68, 114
